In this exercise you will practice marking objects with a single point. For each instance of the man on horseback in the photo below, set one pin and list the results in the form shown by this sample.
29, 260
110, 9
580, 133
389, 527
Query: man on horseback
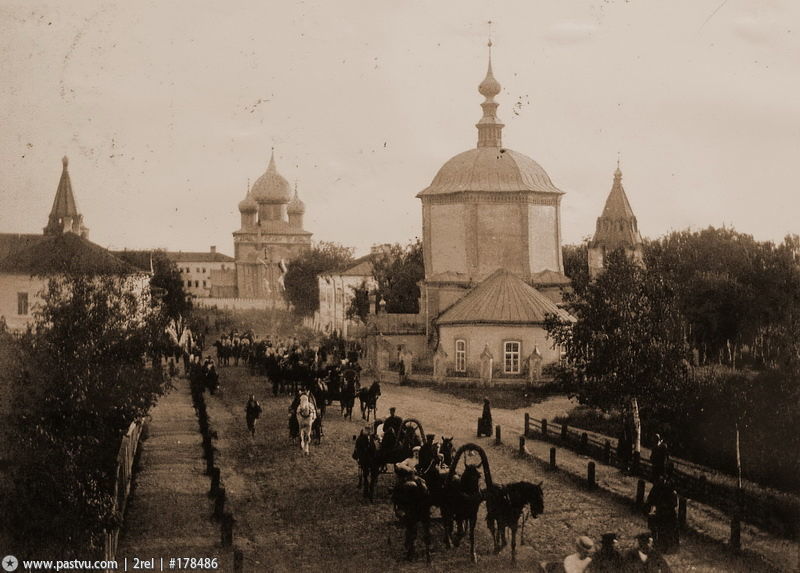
306, 414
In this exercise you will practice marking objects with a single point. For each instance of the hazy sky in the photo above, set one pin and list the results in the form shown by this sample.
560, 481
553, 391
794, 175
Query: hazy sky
167, 108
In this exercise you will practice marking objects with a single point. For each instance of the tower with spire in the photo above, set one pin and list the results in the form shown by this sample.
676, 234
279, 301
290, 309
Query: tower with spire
271, 233
489, 208
64, 216
616, 229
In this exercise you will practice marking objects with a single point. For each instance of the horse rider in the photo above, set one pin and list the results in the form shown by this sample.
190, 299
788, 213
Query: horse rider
252, 412
306, 413
391, 429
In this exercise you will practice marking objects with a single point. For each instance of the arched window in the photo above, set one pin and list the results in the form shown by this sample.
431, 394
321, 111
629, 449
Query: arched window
461, 355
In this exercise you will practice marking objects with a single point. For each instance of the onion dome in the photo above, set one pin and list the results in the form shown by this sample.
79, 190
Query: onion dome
271, 187
248, 204
296, 206
490, 167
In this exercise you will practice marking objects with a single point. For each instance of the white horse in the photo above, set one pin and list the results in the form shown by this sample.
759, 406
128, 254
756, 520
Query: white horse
306, 414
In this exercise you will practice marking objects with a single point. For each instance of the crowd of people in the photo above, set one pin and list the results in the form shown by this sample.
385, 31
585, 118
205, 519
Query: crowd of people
643, 557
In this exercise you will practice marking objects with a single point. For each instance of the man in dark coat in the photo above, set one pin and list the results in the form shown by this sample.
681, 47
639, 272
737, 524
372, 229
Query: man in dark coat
645, 558
252, 412
664, 524
608, 559
659, 458
391, 429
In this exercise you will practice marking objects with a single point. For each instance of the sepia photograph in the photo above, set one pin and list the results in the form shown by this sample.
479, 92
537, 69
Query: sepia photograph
313, 286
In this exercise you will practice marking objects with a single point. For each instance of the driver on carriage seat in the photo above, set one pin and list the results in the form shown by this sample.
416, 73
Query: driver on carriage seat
391, 429
406, 469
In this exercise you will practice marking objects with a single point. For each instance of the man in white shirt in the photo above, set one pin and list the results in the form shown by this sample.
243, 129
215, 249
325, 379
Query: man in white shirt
579, 561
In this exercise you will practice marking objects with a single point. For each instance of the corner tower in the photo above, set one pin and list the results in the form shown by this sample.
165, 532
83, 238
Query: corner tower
616, 229
64, 216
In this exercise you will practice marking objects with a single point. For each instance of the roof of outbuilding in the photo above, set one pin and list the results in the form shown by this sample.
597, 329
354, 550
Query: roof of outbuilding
502, 298
65, 253
11, 243
194, 257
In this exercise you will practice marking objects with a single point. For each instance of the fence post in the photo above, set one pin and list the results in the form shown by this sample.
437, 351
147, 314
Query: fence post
552, 458
736, 522
238, 561
215, 475
590, 475
227, 529
640, 493
564, 430
219, 503
498, 437
682, 512
522, 445
637, 458
544, 427
607, 452
527, 424
584, 442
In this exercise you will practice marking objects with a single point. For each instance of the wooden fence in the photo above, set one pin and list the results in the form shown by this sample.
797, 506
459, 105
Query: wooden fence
778, 514
122, 484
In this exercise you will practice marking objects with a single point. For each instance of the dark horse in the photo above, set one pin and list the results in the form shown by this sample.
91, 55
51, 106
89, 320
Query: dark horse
369, 400
412, 502
504, 505
372, 457
460, 497
347, 395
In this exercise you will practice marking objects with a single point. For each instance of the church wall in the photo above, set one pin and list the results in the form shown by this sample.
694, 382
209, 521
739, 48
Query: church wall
500, 238
478, 336
447, 238
545, 242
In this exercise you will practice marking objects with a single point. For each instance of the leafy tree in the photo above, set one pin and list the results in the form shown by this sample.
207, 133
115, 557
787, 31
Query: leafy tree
80, 379
166, 282
359, 303
302, 288
626, 348
576, 261
398, 270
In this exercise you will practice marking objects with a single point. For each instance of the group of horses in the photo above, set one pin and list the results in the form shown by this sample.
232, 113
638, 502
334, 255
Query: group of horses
457, 494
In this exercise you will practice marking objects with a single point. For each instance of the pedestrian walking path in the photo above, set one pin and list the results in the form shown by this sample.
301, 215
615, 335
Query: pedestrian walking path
169, 512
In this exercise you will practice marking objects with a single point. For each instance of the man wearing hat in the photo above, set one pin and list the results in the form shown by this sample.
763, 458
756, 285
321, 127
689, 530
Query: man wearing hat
579, 561
608, 559
645, 558
393, 423
408, 466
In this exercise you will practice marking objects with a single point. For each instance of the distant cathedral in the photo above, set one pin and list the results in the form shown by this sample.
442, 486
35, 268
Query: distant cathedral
270, 236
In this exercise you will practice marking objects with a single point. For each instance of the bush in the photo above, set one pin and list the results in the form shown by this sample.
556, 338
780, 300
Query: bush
80, 379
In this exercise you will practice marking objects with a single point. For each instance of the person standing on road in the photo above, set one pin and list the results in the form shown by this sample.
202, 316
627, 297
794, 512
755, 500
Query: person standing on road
252, 411
659, 458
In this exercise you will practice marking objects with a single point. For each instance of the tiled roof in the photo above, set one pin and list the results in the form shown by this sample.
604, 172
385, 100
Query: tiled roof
492, 169
617, 226
503, 298
11, 243
549, 278
361, 267
191, 257
65, 253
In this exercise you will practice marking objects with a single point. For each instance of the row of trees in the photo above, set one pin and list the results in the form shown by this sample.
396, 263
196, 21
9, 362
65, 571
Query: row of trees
709, 297
76, 379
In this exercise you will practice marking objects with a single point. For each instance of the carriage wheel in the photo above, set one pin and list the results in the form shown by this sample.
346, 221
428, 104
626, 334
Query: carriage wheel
484, 465
412, 426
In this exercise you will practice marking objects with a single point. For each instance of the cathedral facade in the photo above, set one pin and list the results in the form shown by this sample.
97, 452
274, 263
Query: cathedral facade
270, 236
491, 225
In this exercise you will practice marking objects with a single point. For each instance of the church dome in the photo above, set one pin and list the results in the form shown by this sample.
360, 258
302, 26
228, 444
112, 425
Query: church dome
492, 169
271, 187
296, 206
248, 205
